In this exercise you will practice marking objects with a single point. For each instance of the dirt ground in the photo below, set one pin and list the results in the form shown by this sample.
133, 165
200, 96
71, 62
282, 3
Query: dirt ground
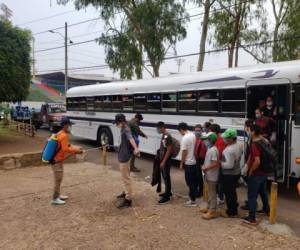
90, 219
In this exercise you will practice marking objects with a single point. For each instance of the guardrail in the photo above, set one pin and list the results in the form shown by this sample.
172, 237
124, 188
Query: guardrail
21, 127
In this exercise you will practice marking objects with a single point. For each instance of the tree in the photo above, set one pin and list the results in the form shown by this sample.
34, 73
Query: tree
148, 26
232, 26
207, 5
14, 62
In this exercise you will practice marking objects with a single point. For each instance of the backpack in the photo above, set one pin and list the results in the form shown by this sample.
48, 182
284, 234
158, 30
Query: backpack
200, 149
268, 157
50, 150
176, 147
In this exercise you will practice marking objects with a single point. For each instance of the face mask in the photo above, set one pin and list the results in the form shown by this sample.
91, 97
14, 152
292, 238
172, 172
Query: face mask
258, 116
69, 129
208, 144
226, 141
269, 104
198, 133
158, 131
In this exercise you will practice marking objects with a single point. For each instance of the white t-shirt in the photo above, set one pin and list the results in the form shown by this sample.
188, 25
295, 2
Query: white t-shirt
212, 155
188, 143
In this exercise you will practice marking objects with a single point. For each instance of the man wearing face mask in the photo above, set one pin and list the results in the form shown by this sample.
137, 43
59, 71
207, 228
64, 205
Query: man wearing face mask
58, 169
266, 124
230, 168
270, 110
127, 148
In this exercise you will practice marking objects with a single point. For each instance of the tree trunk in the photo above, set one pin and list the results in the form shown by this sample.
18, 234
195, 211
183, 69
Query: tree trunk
236, 62
275, 46
203, 35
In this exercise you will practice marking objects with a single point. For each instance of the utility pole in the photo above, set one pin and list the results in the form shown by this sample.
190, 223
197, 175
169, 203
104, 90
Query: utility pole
179, 61
66, 58
33, 59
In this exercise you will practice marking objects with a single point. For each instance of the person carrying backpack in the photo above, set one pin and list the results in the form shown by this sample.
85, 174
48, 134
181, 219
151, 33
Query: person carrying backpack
57, 165
257, 176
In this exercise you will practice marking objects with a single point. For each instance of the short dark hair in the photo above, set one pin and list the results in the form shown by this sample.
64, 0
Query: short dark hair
139, 116
256, 129
161, 125
249, 122
207, 124
182, 126
198, 126
215, 128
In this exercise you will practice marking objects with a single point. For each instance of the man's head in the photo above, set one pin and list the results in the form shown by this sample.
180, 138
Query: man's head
161, 127
255, 131
269, 102
210, 139
207, 127
248, 124
230, 136
198, 130
182, 128
120, 120
139, 117
215, 128
66, 124
258, 113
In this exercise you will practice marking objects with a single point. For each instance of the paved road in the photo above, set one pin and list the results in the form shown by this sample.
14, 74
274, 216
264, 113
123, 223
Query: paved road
288, 202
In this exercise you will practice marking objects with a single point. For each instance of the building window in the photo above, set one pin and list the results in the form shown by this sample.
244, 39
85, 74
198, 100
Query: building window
233, 101
208, 101
140, 102
187, 101
154, 102
107, 105
117, 102
98, 103
127, 102
169, 102
90, 103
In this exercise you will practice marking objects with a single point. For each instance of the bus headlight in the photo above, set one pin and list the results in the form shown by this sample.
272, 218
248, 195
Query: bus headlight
297, 160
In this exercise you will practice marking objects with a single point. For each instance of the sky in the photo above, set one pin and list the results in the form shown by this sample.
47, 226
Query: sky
91, 54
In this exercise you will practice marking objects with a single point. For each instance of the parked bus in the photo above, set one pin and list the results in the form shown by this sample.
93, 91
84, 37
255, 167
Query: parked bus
227, 97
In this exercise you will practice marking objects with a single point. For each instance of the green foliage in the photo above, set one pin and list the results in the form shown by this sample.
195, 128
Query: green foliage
14, 62
143, 26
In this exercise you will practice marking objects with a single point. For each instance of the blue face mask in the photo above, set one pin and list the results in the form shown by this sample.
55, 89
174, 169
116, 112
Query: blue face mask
226, 141
208, 143
198, 133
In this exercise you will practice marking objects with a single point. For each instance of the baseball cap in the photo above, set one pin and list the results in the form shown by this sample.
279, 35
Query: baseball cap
211, 135
65, 121
139, 116
120, 118
230, 133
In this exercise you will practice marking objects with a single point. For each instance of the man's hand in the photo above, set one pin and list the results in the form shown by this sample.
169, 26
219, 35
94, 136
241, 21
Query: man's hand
136, 152
162, 164
146, 137
181, 165
204, 169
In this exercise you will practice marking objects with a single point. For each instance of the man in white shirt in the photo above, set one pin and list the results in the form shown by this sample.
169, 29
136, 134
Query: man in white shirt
188, 162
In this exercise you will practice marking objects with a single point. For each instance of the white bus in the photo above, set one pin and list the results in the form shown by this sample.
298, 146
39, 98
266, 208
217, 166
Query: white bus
227, 97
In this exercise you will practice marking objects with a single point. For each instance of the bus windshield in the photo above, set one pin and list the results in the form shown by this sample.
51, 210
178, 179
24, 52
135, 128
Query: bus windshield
57, 109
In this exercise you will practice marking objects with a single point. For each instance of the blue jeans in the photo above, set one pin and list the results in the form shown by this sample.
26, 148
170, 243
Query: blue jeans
257, 186
191, 178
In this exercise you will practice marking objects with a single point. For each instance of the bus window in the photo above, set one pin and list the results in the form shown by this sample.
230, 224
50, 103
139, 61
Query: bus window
297, 106
70, 104
107, 103
169, 102
140, 102
208, 101
153, 102
127, 102
187, 101
90, 102
82, 104
117, 102
98, 103
233, 101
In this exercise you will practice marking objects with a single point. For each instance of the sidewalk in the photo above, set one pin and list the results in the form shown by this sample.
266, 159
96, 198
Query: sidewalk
90, 219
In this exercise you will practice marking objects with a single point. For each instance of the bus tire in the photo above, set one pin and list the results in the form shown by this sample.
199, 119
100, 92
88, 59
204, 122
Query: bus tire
105, 137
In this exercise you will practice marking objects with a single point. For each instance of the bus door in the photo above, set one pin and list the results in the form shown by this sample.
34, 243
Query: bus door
280, 125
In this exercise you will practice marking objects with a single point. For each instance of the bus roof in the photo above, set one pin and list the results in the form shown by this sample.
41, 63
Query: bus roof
227, 78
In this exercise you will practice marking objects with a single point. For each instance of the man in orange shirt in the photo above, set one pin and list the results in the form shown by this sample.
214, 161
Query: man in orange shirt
64, 148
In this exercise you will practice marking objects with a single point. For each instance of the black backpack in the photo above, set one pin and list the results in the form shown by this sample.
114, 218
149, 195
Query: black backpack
269, 157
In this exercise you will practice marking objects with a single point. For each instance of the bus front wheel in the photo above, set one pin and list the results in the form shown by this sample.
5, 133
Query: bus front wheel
105, 138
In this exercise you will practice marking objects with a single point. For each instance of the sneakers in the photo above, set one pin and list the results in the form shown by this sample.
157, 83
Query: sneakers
121, 196
210, 215
135, 170
190, 203
264, 212
125, 204
224, 214
63, 197
250, 221
58, 202
164, 200
203, 210
220, 202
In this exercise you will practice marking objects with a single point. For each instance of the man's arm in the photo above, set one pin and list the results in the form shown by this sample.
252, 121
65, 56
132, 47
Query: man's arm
255, 165
65, 147
183, 157
167, 156
133, 144
140, 132
214, 164
229, 160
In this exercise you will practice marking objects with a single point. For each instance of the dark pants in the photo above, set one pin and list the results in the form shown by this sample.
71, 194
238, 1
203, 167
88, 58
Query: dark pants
167, 178
200, 178
191, 178
220, 189
257, 186
132, 162
230, 183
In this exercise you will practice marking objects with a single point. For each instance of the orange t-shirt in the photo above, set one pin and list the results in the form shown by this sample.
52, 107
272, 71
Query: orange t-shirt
64, 147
